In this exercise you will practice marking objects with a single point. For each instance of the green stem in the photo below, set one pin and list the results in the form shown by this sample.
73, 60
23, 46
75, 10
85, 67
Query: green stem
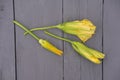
58, 37
44, 28
24, 28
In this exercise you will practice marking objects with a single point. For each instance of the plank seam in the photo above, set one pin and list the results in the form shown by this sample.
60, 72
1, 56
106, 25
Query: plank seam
63, 35
15, 41
102, 37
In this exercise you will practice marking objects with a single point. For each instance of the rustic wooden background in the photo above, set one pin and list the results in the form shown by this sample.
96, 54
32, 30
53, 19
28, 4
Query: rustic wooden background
22, 58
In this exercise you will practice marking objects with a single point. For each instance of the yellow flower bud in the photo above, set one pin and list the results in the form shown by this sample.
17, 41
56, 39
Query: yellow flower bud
90, 54
50, 47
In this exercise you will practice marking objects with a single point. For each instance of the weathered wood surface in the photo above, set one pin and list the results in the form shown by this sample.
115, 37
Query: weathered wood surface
22, 58
33, 61
75, 66
7, 44
111, 30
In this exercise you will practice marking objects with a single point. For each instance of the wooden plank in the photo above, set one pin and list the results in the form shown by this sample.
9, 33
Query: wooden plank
33, 61
90, 71
111, 39
7, 51
76, 67
71, 58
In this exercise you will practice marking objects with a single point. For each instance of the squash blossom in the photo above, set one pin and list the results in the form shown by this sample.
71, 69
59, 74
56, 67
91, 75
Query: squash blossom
83, 29
47, 45
88, 53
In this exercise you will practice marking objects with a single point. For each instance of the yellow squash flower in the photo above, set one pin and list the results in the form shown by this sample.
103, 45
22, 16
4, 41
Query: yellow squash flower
88, 53
43, 43
83, 29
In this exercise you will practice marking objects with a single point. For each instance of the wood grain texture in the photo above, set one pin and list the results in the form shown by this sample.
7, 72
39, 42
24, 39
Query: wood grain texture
111, 40
71, 58
75, 66
33, 61
36, 63
89, 70
7, 51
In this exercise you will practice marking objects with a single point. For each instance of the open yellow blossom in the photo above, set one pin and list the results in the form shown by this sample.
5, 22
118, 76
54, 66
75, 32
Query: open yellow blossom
88, 53
43, 43
83, 29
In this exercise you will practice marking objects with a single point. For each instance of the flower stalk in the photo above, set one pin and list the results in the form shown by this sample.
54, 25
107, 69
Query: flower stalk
47, 45
42, 28
24, 28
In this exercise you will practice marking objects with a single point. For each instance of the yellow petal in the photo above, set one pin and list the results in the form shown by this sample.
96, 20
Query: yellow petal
84, 37
95, 60
96, 53
50, 47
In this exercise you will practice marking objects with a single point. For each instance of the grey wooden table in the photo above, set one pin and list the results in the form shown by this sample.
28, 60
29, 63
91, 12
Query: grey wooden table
22, 58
